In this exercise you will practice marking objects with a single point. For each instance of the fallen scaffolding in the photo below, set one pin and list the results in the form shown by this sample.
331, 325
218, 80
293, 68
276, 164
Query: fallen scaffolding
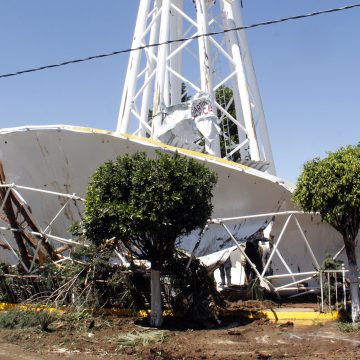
34, 245
269, 281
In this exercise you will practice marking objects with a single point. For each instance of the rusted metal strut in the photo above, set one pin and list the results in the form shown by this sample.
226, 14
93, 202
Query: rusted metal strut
13, 206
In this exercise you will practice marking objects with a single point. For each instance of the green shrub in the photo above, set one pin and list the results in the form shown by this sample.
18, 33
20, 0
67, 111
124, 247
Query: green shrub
348, 327
20, 319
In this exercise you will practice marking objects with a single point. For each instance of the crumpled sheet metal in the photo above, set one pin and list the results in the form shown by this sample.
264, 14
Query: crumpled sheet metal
62, 159
183, 125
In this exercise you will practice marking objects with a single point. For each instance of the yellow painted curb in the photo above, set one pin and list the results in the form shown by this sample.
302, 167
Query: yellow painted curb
29, 307
269, 314
123, 312
126, 312
300, 315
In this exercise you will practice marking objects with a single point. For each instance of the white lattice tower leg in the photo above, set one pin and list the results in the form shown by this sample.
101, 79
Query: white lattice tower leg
205, 63
150, 54
241, 81
253, 86
133, 67
176, 28
161, 99
238, 108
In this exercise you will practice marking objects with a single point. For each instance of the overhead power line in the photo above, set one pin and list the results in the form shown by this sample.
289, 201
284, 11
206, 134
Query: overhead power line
94, 57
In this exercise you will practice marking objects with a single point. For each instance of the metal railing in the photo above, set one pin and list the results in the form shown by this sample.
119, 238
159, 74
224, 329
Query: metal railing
332, 289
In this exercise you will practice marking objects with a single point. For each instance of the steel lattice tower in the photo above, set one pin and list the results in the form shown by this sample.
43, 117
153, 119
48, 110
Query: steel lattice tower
158, 75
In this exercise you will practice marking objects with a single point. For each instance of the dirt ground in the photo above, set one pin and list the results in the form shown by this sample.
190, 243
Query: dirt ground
234, 338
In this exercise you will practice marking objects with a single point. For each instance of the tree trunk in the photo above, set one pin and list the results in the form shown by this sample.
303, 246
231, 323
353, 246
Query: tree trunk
156, 319
354, 278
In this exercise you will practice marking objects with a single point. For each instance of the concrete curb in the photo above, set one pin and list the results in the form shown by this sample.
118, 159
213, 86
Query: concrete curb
282, 314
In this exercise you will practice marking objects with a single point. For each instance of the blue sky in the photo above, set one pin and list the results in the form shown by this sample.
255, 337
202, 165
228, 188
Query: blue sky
308, 70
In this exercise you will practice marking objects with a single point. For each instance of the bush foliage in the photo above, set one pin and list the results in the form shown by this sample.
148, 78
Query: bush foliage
147, 204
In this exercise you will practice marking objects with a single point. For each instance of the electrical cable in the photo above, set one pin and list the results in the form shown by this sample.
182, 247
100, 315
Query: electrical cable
265, 23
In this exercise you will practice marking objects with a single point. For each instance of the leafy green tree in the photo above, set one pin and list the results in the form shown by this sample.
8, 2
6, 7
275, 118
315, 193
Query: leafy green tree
332, 187
148, 205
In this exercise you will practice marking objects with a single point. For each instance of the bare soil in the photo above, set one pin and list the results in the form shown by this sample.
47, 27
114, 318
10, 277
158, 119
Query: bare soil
235, 338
